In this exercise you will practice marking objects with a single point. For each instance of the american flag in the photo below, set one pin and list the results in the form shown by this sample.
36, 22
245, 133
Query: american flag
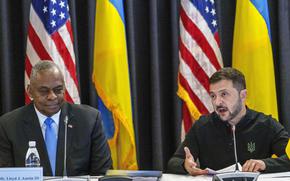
50, 38
199, 56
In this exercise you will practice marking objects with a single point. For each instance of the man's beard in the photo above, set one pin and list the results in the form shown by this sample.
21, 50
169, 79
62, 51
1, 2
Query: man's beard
236, 110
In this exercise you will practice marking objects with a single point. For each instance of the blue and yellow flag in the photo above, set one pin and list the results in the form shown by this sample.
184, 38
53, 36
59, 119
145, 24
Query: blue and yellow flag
287, 149
112, 82
252, 54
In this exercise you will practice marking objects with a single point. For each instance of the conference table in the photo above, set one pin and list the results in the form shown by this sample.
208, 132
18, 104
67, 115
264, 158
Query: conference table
263, 177
283, 176
6, 173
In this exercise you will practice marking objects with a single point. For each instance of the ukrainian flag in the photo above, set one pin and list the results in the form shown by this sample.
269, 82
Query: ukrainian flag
252, 54
287, 150
112, 82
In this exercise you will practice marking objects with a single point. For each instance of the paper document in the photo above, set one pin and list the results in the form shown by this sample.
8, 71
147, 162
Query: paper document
65, 178
231, 168
136, 173
275, 175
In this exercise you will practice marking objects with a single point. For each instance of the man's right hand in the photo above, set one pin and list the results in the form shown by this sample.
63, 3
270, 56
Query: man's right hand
190, 164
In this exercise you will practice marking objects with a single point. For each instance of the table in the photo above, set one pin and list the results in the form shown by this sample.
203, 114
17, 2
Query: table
263, 177
284, 176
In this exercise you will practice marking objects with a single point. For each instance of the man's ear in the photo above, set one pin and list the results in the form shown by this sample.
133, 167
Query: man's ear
243, 95
29, 91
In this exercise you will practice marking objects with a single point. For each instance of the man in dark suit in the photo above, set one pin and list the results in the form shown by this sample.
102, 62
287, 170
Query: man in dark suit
87, 149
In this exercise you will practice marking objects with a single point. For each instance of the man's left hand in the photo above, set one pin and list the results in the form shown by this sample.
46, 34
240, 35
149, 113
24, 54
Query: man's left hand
254, 166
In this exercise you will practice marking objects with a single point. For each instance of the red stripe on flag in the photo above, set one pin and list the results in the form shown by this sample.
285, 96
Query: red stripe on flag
37, 44
187, 122
199, 37
194, 66
67, 97
66, 56
69, 29
28, 66
217, 38
199, 105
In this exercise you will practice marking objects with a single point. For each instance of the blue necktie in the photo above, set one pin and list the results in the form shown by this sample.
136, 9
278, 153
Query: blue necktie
50, 141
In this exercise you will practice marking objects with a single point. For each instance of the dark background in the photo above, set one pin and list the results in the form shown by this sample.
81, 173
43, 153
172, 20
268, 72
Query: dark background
152, 39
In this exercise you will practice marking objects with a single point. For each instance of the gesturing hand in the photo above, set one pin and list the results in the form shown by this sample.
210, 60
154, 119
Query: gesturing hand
190, 164
254, 166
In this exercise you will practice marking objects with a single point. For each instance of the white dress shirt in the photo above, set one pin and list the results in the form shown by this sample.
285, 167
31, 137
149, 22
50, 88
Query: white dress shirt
42, 118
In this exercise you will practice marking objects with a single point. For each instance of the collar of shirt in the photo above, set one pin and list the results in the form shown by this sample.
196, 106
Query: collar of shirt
242, 124
42, 117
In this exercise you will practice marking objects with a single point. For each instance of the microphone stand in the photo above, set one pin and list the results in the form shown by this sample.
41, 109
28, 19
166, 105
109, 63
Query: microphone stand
236, 175
64, 173
235, 147
65, 147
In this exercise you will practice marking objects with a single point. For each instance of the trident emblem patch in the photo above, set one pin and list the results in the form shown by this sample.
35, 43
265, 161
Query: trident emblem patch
251, 147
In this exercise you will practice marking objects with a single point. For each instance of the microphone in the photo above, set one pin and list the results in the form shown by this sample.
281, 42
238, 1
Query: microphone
235, 147
65, 146
64, 173
236, 175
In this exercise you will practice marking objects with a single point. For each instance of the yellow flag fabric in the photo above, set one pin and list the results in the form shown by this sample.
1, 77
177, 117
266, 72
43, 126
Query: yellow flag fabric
112, 82
252, 54
287, 150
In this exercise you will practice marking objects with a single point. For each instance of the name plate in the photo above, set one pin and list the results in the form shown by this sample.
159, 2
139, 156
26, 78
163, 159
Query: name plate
21, 174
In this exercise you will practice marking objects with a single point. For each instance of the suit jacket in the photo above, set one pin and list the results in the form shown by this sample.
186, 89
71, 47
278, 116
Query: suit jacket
87, 149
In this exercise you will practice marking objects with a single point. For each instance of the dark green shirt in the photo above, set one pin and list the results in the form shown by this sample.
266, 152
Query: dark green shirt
211, 141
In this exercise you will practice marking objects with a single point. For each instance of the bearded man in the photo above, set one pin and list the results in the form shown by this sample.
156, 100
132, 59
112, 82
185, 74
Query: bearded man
210, 140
